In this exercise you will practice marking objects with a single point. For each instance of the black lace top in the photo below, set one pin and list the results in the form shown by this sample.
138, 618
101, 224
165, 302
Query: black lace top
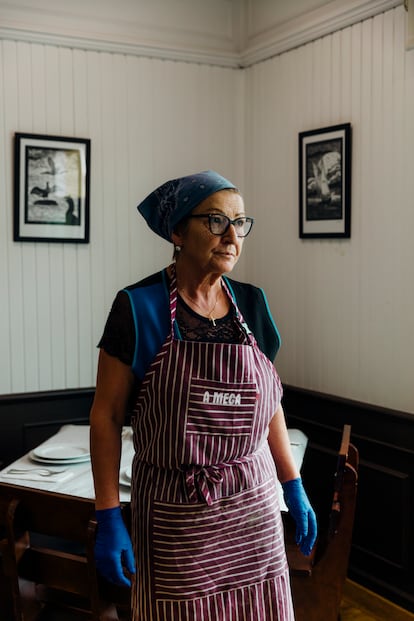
194, 327
118, 338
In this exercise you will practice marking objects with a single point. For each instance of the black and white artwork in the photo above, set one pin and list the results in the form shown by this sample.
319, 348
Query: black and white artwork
51, 188
325, 182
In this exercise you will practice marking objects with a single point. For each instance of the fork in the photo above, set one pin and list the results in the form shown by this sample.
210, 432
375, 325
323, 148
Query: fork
42, 472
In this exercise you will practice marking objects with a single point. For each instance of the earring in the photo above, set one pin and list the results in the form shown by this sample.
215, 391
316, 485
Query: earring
177, 248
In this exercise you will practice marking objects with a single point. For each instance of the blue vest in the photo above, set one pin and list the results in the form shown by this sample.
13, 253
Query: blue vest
150, 304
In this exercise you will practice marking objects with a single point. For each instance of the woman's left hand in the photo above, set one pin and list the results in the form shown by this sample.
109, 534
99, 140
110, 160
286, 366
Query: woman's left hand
303, 514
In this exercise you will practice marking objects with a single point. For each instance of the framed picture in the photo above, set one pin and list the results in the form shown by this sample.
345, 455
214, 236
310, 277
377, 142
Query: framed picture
325, 182
51, 188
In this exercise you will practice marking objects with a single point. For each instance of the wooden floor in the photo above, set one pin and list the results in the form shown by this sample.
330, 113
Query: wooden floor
358, 604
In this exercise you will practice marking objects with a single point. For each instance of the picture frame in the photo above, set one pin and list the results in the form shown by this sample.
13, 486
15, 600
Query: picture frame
51, 188
325, 182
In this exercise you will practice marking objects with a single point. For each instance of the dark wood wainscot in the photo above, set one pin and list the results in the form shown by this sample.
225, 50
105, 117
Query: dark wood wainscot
28, 419
383, 538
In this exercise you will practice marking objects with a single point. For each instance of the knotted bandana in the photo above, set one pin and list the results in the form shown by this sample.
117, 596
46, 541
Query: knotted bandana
166, 206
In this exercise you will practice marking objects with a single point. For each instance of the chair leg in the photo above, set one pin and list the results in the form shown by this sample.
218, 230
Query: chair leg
7, 605
9, 549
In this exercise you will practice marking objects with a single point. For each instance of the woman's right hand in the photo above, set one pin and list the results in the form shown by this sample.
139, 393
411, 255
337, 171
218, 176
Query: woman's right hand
114, 557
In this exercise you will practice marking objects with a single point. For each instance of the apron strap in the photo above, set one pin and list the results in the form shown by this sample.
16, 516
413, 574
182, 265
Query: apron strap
173, 298
249, 335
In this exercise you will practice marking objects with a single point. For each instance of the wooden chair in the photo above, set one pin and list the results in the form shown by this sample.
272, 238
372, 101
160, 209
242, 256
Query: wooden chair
317, 581
48, 548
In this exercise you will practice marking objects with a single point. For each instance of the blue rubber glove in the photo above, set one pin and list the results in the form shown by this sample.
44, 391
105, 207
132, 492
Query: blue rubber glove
299, 507
113, 547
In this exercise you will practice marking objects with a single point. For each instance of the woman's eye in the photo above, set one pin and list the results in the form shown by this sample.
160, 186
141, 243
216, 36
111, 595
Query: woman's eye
217, 219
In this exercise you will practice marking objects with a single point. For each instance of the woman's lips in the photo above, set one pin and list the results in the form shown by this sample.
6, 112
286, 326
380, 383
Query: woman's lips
225, 253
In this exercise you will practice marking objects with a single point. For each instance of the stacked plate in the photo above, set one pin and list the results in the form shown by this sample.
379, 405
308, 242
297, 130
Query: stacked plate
60, 454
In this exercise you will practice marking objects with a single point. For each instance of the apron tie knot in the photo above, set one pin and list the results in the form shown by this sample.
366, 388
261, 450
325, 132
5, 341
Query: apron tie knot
198, 479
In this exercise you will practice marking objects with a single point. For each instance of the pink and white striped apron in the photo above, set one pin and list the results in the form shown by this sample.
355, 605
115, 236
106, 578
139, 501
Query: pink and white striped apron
207, 529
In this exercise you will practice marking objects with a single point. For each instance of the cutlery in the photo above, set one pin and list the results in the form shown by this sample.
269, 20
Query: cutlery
42, 472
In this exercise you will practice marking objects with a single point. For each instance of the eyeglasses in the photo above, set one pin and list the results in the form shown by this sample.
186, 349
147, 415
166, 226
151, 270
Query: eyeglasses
219, 224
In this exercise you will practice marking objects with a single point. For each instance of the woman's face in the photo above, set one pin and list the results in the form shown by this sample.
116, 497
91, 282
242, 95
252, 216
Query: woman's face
207, 252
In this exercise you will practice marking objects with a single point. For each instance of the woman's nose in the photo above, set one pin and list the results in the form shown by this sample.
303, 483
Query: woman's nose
231, 233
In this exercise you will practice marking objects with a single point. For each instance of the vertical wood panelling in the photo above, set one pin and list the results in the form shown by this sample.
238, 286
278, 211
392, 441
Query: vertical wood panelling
405, 178
57, 334
83, 258
109, 124
352, 327
96, 279
14, 296
71, 306
141, 156
42, 251
28, 258
344, 307
5, 232
147, 120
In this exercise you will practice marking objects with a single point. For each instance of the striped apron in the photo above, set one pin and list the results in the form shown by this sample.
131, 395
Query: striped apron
206, 527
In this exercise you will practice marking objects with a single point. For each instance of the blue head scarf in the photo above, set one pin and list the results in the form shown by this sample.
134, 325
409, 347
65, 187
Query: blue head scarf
166, 206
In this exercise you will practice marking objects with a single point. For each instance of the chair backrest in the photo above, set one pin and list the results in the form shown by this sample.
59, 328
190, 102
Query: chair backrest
49, 542
317, 581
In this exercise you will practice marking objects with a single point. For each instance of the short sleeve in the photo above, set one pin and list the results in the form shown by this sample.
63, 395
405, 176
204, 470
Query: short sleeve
118, 338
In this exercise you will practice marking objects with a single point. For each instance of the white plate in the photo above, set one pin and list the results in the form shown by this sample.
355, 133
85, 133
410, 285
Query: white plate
125, 476
59, 462
61, 452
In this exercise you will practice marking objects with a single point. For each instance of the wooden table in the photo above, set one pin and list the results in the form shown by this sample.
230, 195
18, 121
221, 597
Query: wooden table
62, 506
47, 532
75, 478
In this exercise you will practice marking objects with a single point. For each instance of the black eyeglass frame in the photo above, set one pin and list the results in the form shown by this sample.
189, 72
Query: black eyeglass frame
221, 215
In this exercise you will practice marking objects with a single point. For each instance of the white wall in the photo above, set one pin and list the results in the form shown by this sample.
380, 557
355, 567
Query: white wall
345, 308
148, 120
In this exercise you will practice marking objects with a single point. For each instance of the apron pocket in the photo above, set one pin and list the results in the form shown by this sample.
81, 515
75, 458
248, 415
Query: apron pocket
224, 409
219, 421
200, 550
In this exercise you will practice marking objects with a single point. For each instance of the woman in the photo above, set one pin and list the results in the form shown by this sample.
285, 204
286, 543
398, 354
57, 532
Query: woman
208, 425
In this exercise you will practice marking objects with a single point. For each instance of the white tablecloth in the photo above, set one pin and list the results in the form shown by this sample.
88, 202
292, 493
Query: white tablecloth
76, 479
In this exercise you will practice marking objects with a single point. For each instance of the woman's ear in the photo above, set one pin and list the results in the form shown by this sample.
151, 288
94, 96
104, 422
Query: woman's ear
177, 238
